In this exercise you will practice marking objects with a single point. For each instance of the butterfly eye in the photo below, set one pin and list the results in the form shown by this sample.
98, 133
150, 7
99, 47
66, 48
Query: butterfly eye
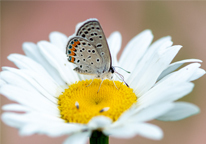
89, 51
92, 27
93, 51
95, 33
70, 46
92, 63
97, 28
83, 43
91, 39
100, 36
78, 61
83, 49
69, 52
89, 44
86, 32
102, 53
89, 56
72, 42
92, 34
80, 66
75, 40
97, 60
88, 29
83, 59
83, 35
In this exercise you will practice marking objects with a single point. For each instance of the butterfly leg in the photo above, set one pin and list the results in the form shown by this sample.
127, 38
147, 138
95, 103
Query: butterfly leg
115, 85
100, 85
90, 83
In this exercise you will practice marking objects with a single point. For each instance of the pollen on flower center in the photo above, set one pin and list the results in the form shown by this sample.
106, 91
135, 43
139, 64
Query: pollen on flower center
80, 102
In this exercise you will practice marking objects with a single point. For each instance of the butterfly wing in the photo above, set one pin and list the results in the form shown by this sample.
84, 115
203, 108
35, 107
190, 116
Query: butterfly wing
84, 54
92, 31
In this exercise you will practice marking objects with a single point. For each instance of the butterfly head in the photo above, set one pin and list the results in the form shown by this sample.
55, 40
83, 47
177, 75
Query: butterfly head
107, 74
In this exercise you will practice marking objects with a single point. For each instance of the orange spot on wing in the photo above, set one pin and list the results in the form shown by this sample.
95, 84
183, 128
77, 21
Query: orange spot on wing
72, 53
72, 60
75, 43
72, 49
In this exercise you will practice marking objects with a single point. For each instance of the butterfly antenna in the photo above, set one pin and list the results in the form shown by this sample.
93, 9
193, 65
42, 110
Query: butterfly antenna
122, 77
122, 69
118, 76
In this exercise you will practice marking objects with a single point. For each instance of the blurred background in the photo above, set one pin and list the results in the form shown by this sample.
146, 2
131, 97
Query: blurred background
184, 21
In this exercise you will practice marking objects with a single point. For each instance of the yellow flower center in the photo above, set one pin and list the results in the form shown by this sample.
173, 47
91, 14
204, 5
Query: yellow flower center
80, 102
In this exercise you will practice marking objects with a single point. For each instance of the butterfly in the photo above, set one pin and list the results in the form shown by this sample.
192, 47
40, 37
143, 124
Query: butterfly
89, 50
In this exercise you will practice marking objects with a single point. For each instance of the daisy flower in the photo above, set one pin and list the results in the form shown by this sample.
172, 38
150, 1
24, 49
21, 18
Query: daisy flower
54, 100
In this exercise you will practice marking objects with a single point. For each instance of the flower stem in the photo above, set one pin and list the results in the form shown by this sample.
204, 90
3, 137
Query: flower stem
98, 137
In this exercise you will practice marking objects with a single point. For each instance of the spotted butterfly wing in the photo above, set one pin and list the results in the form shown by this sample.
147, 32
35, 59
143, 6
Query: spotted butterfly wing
92, 31
84, 54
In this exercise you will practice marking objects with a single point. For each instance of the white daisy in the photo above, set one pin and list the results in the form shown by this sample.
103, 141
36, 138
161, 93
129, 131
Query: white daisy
56, 101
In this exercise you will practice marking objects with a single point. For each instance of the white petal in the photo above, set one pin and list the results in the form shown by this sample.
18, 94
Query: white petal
147, 78
150, 55
31, 123
151, 113
125, 131
32, 100
50, 128
2, 82
171, 87
172, 67
183, 75
180, 111
199, 73
32, 51
59, 60
59, 40
35, 81
24, 62
165, 93
16, 107
12, 119
114, 42
78, 138
149, 131
129, 130
50, 89
141, 113
134, 50
16, 80
99, 122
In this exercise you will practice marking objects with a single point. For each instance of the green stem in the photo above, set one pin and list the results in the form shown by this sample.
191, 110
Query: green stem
98, 137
